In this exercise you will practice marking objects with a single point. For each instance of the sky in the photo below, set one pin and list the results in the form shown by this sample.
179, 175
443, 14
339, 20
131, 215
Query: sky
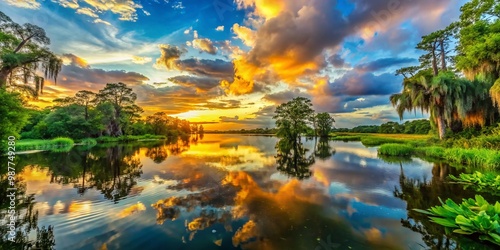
229, 63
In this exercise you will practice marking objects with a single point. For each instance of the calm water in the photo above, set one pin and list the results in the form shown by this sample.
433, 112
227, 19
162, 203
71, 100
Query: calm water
235, 192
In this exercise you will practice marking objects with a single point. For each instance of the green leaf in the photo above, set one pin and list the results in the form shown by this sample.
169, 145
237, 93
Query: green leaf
423, 211
444, 222
460, 231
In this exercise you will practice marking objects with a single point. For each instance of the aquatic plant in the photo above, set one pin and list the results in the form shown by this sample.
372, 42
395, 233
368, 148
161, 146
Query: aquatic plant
472, 217
487, 182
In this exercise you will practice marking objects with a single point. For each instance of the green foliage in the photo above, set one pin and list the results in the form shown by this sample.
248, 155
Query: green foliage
484, 158
473, 216
487, 182
409, 127
24, 52
89, 141
363, 129
13, 117
324, 124
432, 151
394, 149
58, 144
391, 128
293, 118
377, 141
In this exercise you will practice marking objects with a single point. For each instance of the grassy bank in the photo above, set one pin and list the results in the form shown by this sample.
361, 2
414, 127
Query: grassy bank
129, 138
481, 152
61, 143
64, 144
487, 159
373, 140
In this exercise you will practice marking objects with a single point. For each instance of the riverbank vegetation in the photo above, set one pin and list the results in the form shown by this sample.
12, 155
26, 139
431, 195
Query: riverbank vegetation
471, 217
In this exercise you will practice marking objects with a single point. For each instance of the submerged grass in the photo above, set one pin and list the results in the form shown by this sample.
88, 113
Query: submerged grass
57, 144
394, 149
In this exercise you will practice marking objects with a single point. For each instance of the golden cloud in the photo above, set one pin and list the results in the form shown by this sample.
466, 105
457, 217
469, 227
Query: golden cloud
204, 45
28, 4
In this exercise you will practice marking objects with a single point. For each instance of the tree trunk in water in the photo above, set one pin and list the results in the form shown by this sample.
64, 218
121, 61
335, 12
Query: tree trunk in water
443, 56
441, 126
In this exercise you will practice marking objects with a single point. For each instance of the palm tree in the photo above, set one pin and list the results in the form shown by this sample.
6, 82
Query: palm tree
446, 97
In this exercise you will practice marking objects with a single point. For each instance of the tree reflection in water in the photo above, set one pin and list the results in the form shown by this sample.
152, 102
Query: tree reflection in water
26, 219
323, 150
292, 160
424, 194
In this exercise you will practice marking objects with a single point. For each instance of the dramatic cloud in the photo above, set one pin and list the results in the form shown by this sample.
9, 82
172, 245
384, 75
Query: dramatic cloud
384, 63
200, 83
76, 74
204, 67
228, 119
169, 56
172, 99
204, 45
276, 44
126, 9
285, 96
70, 59
225, 104
337, 61
220, 28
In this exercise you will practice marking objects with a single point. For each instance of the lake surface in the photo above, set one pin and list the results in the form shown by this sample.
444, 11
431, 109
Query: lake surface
235, 192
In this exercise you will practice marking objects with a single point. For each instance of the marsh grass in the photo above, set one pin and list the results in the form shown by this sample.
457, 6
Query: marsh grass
377, 141
431, 152
60, 143
346, 138
487, 159
394, 149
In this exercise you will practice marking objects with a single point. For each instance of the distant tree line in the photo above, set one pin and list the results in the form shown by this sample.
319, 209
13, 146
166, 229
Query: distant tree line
110, 112
410, 127
260, 131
